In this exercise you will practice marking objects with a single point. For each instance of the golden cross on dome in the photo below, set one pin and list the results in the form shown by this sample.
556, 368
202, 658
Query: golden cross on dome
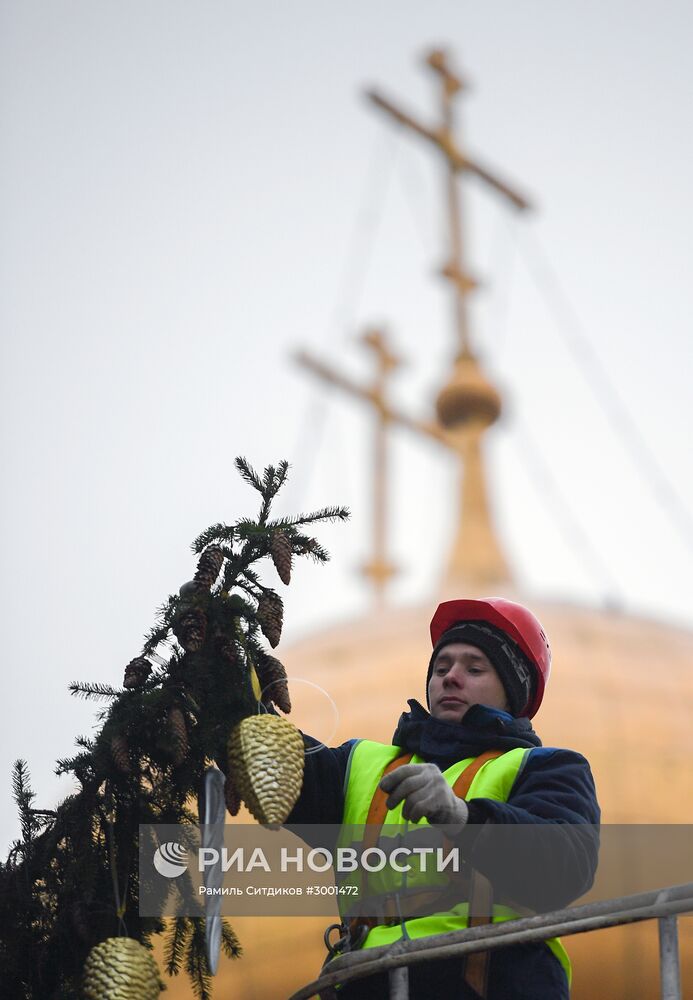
379, 570
467, 404
457, 162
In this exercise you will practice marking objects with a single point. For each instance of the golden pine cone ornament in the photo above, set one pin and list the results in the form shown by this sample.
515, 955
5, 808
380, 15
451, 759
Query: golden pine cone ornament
178, 735
136, 672
270, 615
190, 629
120, 753
273, 682
120, 969
232, 796
280, 550
209, 566
266, 759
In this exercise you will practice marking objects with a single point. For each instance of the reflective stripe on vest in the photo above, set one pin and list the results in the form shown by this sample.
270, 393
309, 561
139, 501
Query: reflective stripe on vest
494, 780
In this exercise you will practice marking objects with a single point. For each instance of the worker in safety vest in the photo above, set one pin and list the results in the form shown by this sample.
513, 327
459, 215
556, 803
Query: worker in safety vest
524, 817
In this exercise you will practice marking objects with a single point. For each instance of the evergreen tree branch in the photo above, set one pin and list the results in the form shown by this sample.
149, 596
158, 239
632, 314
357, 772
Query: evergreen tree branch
229, 942
57, 887
174, 949
248, 473
156, 636
196, 961
305, 545
328, 514
24, 796
215, 533
82, 689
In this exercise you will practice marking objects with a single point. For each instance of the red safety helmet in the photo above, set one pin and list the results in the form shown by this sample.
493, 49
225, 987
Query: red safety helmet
516, 621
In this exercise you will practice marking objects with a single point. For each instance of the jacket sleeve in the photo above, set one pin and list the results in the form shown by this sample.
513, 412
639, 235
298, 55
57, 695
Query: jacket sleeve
322, 795
540, 848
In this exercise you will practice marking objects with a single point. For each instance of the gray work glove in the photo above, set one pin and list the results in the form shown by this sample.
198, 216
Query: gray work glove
425, 793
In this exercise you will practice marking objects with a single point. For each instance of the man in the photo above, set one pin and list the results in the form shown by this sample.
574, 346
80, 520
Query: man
524, 816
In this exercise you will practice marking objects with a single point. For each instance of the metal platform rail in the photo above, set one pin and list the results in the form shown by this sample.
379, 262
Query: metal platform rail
661, 905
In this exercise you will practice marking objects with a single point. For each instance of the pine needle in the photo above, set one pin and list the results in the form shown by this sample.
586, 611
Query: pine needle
93, 691
174, 948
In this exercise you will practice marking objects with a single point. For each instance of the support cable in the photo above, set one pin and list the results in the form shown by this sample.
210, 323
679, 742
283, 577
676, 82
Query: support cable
367, 221
357, 260
565, 518
603, 389
502, 262
413, 187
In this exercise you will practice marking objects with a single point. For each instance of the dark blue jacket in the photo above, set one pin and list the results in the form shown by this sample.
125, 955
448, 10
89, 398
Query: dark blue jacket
550, 860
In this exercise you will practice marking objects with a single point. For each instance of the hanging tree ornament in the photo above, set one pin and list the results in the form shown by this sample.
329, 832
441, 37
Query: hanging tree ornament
190, 588
266, 758
270, 615
254, 681
280, 550
212, 816
120, 969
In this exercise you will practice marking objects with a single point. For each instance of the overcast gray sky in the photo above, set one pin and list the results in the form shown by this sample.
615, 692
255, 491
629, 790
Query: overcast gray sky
191, 191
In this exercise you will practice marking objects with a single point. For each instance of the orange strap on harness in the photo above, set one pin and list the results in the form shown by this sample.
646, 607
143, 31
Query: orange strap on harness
481, 893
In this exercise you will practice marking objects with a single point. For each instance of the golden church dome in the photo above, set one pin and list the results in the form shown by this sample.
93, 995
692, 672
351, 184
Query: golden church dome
621, 693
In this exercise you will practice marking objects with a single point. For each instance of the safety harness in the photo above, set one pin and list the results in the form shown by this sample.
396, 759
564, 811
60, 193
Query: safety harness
469, 885
480, 890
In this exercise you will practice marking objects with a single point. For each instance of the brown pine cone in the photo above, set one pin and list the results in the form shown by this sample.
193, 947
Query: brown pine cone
178, 735
280, 550
136, 672
270, 616
230, 652
190, 628
232, 796
273, 681
209, 566
120, 753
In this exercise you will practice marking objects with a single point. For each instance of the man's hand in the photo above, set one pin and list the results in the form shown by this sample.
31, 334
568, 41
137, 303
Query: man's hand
425, 793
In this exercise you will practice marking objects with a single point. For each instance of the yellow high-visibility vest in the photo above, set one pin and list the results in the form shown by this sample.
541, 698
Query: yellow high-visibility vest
494, 780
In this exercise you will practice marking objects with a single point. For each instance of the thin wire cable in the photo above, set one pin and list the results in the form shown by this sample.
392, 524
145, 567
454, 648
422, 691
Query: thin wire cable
311, 434
502, 262
367, 221
565, 518
604, 390
413, 187
119, 898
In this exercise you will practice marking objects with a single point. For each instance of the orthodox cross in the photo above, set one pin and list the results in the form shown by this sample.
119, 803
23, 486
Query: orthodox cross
378, 569
467, 404
457, 162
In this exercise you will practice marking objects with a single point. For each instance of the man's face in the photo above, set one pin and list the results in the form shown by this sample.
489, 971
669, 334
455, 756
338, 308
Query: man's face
463, 676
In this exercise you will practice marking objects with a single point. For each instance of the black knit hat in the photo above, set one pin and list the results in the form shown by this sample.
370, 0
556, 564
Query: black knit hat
510, 663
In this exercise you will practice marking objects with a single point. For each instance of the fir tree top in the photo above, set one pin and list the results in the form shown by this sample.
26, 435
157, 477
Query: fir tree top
70, 881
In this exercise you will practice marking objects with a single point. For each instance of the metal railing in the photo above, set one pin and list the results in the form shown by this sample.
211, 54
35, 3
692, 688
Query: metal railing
661, 904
